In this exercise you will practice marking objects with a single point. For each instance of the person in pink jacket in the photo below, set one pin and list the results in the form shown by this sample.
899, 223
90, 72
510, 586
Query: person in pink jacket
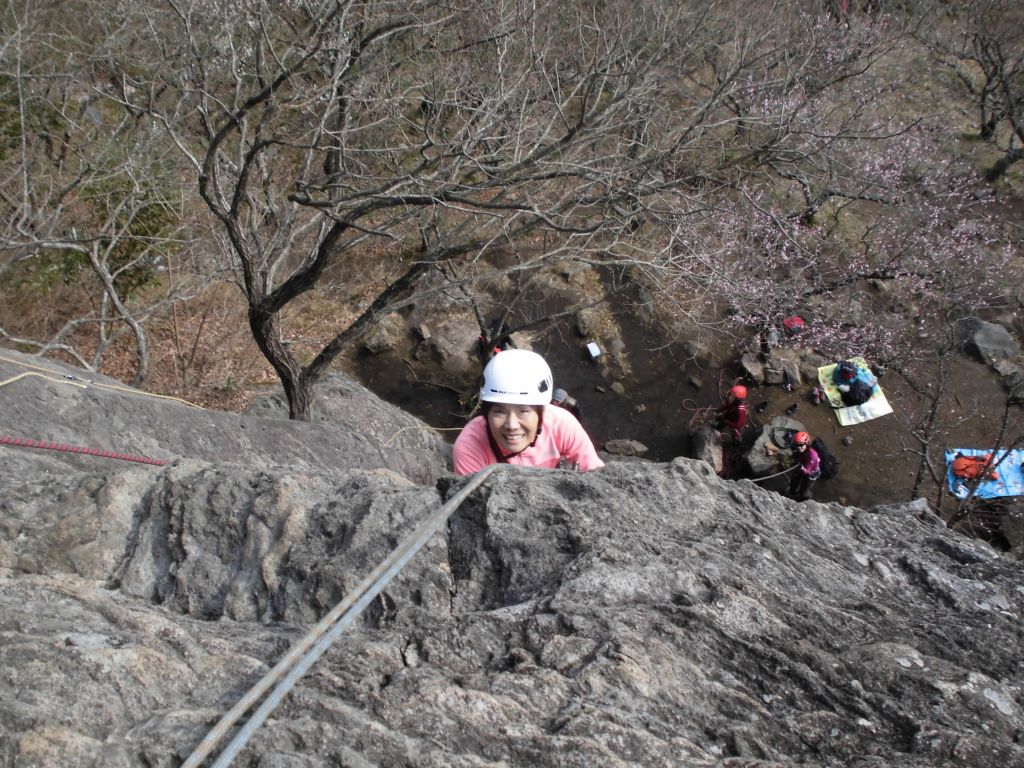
516, 424
807, 467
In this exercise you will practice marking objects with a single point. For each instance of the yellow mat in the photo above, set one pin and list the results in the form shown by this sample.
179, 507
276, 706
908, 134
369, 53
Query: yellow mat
876, 406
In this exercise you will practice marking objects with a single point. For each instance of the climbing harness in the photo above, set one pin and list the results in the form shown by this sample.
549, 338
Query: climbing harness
22, 442
315, 643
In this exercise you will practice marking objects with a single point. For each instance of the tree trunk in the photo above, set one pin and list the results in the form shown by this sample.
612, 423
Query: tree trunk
297, 388
1002, 165
300, 399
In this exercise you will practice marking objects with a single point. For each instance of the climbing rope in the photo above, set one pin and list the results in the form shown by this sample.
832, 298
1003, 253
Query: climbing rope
23, 442
68, 378
699, 414
75, 381
315, 643
423, 427
769, 477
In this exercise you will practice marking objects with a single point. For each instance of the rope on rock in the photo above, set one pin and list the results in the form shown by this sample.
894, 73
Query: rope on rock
65, 380
68, 378
24, 442
425, 427
315, 643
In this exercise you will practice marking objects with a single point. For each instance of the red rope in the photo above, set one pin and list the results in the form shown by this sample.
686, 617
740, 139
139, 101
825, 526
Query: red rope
25, 442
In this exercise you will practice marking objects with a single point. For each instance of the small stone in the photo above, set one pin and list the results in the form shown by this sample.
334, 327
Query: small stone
625, 447
847, 440
695, 382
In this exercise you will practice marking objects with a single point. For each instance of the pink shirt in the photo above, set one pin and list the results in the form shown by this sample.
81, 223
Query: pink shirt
808, 460
561, 436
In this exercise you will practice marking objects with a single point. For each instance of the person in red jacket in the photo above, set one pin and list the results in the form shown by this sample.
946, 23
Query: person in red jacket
518, 425
807, 470
733, 413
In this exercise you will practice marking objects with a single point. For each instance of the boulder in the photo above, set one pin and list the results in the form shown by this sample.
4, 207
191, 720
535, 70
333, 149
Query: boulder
783, 365
752, 367
706, 446
988, 342
384, 335
764, 456
452, 351
644, 614
791, 372
352, 428
810, 362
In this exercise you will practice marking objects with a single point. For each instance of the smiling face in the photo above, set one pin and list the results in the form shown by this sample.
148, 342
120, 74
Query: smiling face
513, 427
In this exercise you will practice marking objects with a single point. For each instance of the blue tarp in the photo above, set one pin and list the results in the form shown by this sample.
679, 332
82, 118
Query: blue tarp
1010, 480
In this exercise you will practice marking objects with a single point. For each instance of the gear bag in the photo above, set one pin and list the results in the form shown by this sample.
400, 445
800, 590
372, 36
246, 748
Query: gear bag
858, 393
970, 467
828, 464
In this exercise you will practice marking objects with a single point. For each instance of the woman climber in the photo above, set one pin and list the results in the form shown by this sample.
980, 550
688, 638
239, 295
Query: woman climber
516, 424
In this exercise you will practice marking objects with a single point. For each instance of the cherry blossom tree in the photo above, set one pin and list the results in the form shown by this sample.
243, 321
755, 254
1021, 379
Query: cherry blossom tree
981, 44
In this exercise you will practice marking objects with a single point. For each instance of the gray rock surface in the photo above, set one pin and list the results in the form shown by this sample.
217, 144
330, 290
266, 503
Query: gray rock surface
625, 447
643, 614
706, 446
989, 342
766, 454
54, 403
753, 368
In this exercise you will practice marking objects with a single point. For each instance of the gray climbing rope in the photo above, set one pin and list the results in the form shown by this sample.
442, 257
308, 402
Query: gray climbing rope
769, 477
315, 643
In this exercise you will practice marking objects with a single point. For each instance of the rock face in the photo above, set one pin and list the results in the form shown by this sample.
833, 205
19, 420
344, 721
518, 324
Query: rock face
94, 411
644, 614
706, 446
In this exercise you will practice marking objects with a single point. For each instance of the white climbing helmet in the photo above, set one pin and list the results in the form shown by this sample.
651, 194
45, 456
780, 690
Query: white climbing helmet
517, 377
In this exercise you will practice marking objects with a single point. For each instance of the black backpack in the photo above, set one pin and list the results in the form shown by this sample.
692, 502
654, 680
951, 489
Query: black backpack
858, 394
827, 463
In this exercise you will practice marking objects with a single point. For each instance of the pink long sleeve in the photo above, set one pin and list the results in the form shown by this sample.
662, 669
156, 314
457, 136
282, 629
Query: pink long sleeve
562, 437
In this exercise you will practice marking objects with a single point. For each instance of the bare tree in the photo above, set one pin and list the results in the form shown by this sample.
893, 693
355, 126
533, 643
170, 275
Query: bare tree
884, 271
428, 132
345, 132
87, 194
981, 43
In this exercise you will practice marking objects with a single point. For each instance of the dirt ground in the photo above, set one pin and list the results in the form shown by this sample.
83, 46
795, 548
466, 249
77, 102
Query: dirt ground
656, 402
